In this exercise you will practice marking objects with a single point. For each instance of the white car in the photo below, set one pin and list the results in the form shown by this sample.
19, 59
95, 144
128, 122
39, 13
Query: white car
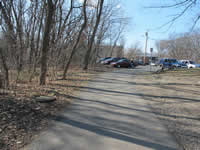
190, 64
153, 64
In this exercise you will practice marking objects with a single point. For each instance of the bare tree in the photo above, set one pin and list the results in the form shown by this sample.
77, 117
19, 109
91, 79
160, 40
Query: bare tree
183, 7
134, 51
118, 35
181, 46
52, 34
35, 38
77, 40
161, 46
44, 58
111, 22
3, 49
91, 40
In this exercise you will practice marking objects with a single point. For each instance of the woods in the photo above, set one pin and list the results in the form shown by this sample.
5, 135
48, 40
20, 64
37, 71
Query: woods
181, 46
54, 34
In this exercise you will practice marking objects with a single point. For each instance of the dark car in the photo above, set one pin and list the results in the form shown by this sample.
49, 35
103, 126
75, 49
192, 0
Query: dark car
103, 59
122, 63
110, 60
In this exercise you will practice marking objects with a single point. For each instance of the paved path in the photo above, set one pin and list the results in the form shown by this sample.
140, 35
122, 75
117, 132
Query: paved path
109, 114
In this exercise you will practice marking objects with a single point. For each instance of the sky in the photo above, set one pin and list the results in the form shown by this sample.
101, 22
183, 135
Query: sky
143, 19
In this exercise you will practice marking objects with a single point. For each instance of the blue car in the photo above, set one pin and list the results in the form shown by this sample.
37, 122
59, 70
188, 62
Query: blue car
170, 63
175, 63
165, 63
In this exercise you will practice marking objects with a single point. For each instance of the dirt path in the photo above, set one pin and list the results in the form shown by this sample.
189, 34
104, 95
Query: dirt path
109, 114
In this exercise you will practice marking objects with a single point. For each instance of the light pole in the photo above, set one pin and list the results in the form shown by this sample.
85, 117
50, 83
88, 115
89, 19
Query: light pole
151, 50
145, 50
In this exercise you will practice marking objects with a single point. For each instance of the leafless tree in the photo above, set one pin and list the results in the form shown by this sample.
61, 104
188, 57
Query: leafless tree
52, 34
182, 7
117, 36
78, 39
161, 48
46, 39
91, 40
3, 51
134, 51
181, 46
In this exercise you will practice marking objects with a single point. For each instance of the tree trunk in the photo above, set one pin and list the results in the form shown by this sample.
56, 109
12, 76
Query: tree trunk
5, 67
46, 38
88, 53
77, 41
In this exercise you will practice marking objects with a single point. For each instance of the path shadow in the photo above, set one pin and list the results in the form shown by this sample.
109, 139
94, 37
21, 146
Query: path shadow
108, 133
129, 108
134, 94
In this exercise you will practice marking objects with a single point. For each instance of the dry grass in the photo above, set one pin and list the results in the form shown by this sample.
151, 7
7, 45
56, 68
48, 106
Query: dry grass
21, 117
175, 98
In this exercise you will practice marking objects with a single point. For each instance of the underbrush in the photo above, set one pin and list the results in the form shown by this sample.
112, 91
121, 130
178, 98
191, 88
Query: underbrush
21, 116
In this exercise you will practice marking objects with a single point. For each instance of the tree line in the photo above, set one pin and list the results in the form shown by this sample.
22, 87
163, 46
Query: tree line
181, 46
56, 33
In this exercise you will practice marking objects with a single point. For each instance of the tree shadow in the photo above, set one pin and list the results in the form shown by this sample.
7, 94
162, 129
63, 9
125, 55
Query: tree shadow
112, 134
118, 131
127, 93
130, 108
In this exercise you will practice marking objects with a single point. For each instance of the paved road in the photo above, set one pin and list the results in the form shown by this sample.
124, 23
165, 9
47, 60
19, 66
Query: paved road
109, 114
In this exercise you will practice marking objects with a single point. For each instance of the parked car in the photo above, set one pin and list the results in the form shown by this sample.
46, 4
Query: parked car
169, 63
140, 62
175, 63
153, 64
110, 60
122, 63
103, 59
190, 64
165, 63
182, 64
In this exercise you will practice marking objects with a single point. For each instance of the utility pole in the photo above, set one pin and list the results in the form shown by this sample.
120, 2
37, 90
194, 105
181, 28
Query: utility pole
145, 50
151, 50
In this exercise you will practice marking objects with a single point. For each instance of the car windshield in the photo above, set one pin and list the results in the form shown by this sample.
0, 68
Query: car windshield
172, 60
192, 62
109, 59
121, 60
166, 60
115, 59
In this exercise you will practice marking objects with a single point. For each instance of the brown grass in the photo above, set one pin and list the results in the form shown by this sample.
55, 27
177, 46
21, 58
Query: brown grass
21, 117
175, 98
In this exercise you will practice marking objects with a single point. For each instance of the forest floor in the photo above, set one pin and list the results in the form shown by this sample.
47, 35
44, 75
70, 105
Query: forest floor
22, 117
175, 99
